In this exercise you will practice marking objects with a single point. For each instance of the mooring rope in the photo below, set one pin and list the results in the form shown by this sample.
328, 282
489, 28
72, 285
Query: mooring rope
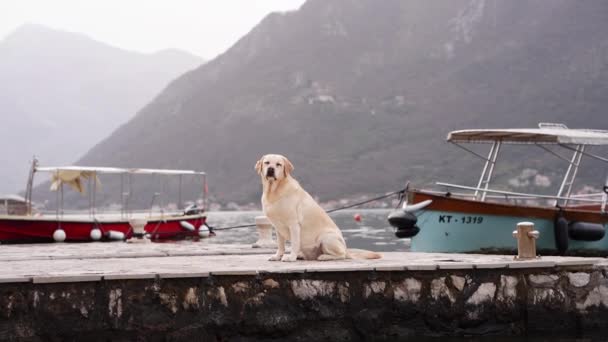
400, 193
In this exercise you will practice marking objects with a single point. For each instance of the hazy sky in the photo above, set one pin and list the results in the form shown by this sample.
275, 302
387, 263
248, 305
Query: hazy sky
203, 27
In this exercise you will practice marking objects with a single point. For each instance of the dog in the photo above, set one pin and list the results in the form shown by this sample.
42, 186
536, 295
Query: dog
298, 218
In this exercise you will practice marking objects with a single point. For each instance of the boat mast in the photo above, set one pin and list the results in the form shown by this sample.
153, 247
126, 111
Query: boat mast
30, 185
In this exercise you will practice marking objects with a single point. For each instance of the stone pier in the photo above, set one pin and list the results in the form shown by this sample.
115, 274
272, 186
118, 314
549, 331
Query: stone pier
199, 291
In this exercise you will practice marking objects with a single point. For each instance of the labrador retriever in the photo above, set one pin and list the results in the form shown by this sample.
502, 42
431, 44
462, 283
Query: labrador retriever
298, 218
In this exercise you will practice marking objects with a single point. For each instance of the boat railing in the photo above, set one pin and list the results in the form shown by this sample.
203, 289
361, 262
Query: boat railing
511, 195
492, 198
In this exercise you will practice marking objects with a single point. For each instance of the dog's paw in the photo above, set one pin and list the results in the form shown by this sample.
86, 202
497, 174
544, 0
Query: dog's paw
275, 257
289, 258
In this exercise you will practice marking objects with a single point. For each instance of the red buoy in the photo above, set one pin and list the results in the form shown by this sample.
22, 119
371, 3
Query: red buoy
357, 217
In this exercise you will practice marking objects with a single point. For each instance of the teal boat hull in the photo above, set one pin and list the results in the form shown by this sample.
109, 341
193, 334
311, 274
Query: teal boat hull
476, 230
466, 233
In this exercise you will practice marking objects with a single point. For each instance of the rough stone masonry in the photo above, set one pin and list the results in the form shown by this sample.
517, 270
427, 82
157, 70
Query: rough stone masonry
403, 296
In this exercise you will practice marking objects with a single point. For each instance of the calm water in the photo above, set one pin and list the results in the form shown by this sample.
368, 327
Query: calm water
373, 231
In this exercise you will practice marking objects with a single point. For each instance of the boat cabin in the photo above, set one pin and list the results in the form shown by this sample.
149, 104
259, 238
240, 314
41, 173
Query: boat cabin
13, 205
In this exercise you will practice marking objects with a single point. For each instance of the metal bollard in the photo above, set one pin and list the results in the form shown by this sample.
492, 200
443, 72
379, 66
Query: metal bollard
264, 228
526, 240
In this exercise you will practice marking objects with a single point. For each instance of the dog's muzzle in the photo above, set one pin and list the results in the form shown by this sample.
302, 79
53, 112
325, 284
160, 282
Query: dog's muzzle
270, 172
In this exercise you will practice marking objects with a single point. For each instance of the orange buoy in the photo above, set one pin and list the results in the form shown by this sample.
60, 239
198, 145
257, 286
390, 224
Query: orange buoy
357, 217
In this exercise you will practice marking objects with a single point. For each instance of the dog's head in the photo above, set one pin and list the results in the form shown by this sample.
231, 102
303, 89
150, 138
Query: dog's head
273, 167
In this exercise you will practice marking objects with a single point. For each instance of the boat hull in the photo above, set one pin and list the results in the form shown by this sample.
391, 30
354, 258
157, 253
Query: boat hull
466, 226
23, 229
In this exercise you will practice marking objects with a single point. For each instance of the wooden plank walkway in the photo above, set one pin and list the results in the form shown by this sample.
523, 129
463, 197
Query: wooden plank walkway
57, 263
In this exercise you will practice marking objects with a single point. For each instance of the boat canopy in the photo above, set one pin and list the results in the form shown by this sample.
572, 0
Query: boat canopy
11, 197
75, 176
115, 170
546, 134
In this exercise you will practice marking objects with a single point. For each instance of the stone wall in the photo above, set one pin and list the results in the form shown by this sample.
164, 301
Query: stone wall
302, 306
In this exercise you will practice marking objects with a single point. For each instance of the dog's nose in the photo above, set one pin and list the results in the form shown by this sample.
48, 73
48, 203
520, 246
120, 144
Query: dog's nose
270, 172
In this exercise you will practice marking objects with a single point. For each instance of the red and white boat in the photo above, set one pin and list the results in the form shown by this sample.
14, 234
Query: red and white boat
20, 223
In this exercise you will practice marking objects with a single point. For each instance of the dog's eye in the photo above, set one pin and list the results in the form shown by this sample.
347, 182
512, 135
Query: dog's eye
266, 163
278, 165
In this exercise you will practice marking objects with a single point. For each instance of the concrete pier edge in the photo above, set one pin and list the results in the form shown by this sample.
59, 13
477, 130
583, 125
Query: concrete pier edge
244, 297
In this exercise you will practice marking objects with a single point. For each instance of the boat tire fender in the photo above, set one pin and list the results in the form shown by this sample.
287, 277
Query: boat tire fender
561, 234
586, 231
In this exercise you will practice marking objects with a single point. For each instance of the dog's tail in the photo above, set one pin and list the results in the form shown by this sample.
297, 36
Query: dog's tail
362, 254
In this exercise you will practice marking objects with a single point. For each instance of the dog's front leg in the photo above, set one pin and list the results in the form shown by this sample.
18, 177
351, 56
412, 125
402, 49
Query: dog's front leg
294, 230
280, 248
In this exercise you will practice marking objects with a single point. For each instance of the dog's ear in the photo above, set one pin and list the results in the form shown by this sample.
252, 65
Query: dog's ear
288, 166
258, 166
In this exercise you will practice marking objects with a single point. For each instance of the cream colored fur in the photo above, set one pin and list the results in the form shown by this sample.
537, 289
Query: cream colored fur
298, 218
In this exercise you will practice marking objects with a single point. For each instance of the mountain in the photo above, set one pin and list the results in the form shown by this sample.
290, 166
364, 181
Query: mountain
360, 94
61, 92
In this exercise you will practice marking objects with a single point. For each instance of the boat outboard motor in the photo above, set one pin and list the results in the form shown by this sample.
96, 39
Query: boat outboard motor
405, 220
192, 209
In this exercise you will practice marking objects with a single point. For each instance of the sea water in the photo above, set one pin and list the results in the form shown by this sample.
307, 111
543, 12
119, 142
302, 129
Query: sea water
372, 232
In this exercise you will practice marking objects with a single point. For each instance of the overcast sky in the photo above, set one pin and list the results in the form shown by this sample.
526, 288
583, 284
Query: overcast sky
203, 27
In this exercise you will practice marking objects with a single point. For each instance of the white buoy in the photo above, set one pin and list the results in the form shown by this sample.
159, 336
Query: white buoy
95, 234
114, 235
59, 235
187, 225
203, 231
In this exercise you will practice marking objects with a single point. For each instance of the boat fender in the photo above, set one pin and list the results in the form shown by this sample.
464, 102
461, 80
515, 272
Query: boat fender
561, 234
95, 234
203, 231
418, 206
115, 235
586, 231
59, 235
187, 225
